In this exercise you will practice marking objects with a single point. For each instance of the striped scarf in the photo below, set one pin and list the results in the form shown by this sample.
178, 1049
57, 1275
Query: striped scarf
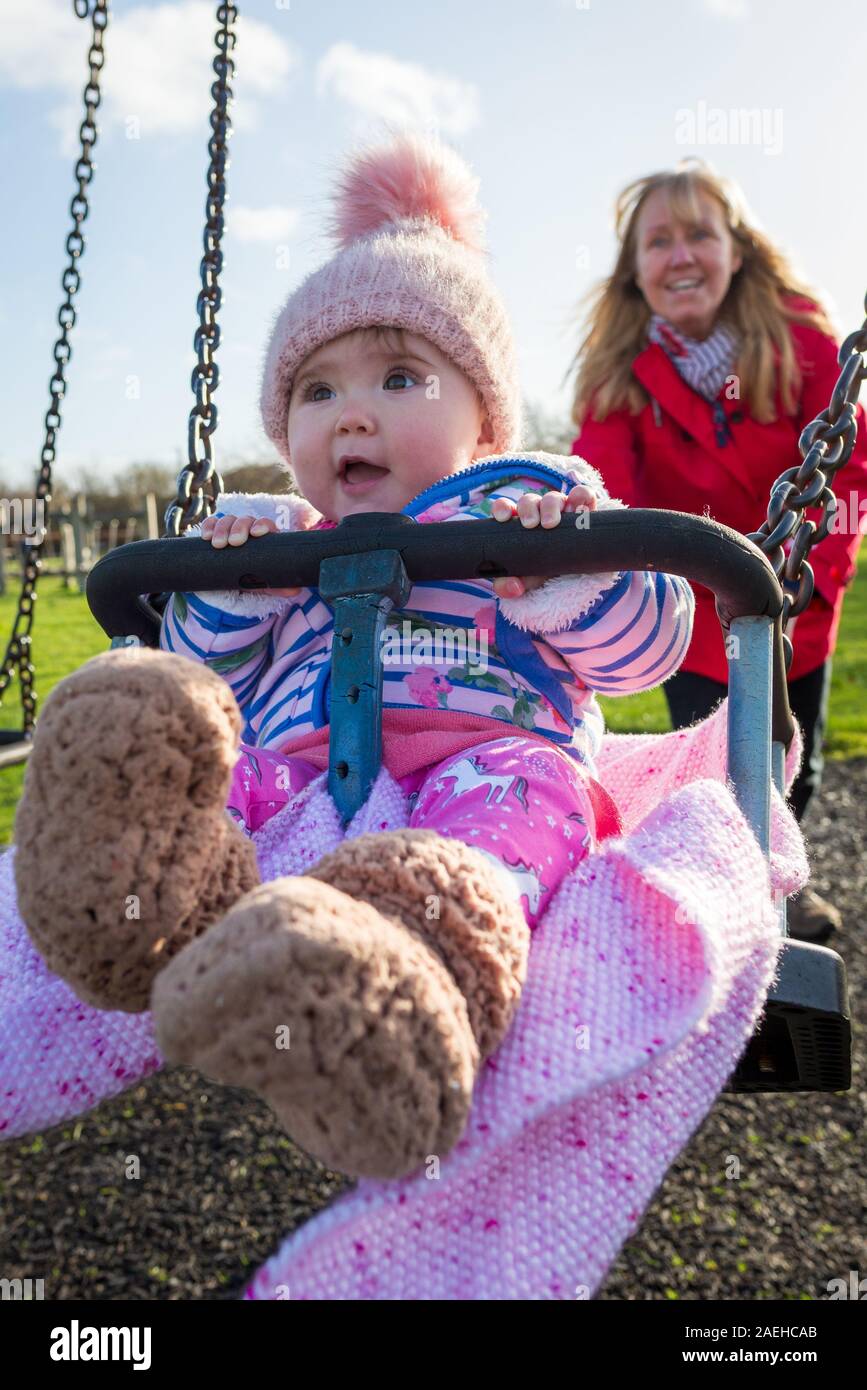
703, 365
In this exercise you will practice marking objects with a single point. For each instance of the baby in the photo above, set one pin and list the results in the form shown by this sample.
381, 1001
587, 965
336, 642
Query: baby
360, 999
363, 434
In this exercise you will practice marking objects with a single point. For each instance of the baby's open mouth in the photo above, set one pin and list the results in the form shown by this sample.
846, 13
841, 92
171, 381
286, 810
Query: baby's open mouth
357, 471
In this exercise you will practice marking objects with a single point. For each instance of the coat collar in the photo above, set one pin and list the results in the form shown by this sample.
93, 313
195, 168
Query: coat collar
661, 379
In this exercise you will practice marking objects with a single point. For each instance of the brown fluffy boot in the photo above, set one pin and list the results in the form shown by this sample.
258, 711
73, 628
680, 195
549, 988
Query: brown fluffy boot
361, 1019
449, 897
124, 851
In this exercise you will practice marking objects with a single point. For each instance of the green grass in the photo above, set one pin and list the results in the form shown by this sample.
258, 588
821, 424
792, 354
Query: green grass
65, 635
847, 732
847, 723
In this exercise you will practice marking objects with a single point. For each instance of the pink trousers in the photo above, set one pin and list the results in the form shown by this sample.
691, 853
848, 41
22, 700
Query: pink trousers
524, 805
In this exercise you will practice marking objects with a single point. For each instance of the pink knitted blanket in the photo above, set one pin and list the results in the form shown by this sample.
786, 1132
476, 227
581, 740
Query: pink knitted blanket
645, 982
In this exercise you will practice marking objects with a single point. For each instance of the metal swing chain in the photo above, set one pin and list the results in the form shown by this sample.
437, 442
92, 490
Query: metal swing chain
18, 650
826, 444
199, 482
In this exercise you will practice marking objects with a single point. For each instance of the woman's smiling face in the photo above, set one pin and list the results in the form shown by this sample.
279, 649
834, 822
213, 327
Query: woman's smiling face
393, 402
684, 268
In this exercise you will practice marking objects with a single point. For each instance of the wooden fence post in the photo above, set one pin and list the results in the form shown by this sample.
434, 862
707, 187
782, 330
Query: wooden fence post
67, 552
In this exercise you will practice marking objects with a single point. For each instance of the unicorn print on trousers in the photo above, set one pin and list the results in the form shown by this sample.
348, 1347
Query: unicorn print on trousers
470, 773
523, 880
585, 833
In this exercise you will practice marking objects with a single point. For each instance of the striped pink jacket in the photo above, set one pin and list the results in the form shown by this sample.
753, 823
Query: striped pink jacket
535, 663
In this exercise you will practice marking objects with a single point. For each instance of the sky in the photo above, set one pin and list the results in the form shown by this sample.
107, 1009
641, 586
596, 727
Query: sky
555, 104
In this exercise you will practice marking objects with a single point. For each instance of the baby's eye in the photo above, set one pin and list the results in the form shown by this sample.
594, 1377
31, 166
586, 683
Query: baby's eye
400, 372
310, 393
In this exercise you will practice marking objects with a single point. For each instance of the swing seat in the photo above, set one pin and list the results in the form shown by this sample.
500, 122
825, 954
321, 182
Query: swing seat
15, 747
362, 569
804, 1039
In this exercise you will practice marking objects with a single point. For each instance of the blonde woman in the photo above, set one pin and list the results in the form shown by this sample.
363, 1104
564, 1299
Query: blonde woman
704, 358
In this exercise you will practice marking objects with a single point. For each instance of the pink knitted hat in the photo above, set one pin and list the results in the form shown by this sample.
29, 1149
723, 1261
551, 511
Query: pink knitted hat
409, 232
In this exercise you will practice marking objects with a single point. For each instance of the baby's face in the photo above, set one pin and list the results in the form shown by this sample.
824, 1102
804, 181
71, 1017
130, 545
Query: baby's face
413, 417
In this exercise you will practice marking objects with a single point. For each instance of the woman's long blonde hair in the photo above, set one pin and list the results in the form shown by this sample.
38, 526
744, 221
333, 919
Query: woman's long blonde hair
755, 304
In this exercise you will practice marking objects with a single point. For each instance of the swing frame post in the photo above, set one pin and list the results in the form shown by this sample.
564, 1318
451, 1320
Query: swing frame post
755, 758
804, 1039
749, 722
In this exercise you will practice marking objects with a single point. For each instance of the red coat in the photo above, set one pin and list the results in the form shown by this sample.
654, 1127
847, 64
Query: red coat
670, 458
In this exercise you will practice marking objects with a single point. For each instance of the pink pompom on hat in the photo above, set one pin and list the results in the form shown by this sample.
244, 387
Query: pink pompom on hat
410, 237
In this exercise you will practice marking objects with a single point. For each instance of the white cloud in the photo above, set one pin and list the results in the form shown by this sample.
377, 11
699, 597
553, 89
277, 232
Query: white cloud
381, 86
158, 66
728, 9
270, 225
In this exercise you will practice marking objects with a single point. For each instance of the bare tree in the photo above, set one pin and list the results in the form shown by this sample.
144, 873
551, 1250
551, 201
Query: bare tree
258, 477
544, 431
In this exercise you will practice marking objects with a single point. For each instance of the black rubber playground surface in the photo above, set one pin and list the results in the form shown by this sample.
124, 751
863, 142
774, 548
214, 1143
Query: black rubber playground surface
221, 1185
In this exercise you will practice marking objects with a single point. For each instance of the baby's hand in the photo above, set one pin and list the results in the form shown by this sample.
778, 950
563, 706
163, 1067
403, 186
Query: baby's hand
235, 530
532, 509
